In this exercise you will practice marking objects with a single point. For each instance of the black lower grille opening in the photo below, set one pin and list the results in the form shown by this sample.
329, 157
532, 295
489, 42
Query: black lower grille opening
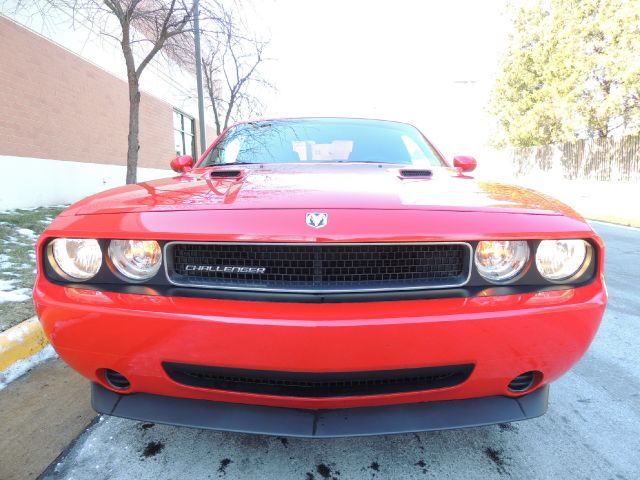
318, 385
318, 267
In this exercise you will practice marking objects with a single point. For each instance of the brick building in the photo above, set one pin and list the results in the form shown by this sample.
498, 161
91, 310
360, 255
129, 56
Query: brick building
64, 118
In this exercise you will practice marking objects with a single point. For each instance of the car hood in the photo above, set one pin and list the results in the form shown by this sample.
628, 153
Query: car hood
317, 187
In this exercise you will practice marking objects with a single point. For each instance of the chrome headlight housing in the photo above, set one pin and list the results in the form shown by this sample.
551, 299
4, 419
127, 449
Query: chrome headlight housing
136, 259
77, 259
559, 260
500, 261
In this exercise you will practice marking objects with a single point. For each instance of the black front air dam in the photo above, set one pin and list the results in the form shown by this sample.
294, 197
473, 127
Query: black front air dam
345, 422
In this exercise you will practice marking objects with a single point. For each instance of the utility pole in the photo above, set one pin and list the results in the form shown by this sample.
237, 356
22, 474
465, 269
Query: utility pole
196, 21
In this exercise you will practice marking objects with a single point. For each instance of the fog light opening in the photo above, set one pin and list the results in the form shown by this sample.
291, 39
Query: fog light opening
525, 381
116, 379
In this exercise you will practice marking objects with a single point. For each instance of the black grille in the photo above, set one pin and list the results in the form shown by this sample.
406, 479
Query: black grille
318, 385
318, 267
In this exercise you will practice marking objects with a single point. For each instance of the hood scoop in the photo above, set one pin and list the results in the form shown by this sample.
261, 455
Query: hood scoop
225, 174
407, 173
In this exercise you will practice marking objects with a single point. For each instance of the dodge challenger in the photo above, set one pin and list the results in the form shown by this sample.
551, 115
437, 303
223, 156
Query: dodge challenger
321, 277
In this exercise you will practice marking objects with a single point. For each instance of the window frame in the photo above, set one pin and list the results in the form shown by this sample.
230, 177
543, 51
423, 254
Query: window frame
184, 133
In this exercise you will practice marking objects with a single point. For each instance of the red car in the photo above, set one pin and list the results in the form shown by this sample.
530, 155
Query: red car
321, 278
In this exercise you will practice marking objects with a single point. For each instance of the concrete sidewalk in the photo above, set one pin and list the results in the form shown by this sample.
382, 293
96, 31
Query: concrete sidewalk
40, 415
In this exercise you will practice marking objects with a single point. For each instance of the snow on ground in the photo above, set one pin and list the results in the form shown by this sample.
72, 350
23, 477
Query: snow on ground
8, 292
19, 295
27, 233
24, 366
19, 230
6, 284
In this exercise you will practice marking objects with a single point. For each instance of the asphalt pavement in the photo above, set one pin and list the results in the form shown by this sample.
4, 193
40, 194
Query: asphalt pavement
592, 429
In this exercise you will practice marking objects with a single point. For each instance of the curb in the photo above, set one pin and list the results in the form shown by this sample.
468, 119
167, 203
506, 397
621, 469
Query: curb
20, 342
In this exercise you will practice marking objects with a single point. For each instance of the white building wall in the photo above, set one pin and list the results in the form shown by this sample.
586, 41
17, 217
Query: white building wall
36, 182
162, 77
44, 181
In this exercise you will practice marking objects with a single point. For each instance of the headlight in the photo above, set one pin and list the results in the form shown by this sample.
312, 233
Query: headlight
500, 261
78, 258
136, 259
558, 260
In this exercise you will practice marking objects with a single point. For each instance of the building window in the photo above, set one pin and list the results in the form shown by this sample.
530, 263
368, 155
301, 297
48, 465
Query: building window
184, 134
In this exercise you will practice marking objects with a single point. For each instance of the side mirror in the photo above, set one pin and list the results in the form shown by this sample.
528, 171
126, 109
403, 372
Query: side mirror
182, 164
465, 163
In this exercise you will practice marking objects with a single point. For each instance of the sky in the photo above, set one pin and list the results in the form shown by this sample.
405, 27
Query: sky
430, 63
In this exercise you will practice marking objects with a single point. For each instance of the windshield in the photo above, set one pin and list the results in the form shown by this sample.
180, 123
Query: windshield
323, 140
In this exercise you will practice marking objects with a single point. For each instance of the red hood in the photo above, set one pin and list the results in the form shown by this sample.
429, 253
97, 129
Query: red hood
317, 187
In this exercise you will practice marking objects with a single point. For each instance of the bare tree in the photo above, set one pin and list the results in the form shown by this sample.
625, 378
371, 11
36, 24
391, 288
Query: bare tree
143, 28
231, 68
157, 21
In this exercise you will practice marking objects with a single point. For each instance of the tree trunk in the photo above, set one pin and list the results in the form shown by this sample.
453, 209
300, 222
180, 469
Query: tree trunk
134, 127
134, 107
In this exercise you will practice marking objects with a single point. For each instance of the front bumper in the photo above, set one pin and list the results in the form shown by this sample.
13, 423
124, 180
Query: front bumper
347, 422
502, 336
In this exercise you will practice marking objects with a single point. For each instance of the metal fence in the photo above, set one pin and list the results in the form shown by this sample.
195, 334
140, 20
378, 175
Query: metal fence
604, 159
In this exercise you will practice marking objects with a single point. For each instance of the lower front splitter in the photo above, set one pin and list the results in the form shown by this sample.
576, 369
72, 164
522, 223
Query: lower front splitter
345, 422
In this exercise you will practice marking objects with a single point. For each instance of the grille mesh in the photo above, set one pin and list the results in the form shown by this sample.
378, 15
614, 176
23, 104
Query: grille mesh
318, 267
304, 384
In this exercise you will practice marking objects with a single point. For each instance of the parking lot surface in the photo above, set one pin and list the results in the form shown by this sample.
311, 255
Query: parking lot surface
592, 429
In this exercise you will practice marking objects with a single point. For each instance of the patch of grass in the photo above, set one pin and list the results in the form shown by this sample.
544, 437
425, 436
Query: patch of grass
19, 230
